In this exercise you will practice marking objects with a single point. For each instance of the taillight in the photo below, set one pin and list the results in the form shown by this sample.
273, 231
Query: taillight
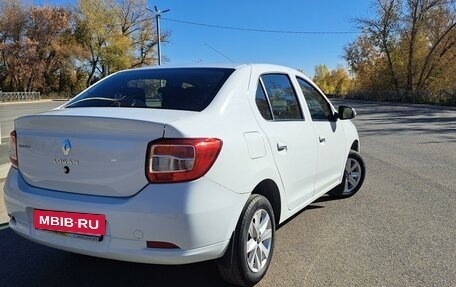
177, 160
13, 149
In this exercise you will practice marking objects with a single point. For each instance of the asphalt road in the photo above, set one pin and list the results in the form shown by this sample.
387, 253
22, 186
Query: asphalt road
399, 230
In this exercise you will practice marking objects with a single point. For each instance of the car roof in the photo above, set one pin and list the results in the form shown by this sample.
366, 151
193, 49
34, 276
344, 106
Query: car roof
195, 65
218, 65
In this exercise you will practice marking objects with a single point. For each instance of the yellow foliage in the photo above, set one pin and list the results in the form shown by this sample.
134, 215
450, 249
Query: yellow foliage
336, 82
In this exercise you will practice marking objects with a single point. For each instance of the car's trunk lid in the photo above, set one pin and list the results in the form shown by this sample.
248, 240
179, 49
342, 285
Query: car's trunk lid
96, 151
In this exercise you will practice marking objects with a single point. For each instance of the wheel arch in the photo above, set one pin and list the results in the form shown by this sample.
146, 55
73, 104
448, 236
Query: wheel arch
269, 189
355, 146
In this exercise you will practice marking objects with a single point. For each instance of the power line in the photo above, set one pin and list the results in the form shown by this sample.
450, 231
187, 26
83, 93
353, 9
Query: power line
261, 30
219, 52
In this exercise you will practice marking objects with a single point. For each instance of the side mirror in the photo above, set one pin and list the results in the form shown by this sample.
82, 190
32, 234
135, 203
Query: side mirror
346, 113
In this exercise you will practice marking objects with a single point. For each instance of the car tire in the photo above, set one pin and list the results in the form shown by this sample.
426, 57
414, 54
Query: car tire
249, 253
353, 178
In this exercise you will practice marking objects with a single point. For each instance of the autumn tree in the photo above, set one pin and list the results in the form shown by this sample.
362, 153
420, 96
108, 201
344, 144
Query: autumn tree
13, 24
116, 34
37, 46
332, 82
50, 35
321, 77
54, 49
408, 45
341, 81
367, 65
96, 31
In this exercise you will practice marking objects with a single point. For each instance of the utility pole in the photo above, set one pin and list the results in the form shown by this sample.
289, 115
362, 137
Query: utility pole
157, 19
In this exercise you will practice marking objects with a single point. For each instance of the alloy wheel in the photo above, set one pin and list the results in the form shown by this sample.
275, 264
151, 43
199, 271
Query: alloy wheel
352, 175
259, 240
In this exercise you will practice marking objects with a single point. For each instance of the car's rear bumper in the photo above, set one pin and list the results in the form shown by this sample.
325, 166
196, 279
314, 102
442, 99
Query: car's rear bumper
199, 218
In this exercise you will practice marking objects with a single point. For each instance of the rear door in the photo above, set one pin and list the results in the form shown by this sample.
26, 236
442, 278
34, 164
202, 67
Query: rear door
330, 138
290, 136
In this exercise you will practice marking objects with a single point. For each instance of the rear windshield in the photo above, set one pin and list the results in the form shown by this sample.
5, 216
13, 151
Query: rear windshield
190, 89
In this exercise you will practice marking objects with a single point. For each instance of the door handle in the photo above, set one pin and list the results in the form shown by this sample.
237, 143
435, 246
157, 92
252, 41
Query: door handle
281, 146
322, 140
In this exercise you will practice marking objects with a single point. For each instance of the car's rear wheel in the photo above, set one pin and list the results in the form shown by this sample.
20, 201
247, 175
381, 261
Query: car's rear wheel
248, 257
353, 179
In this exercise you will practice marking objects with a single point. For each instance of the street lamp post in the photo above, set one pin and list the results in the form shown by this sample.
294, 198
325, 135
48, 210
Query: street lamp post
157, 19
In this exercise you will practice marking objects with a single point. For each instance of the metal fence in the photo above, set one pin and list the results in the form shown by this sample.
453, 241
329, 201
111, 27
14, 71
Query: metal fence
19, 96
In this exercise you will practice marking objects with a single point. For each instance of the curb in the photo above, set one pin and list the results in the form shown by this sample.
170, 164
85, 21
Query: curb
4, 168
26, 102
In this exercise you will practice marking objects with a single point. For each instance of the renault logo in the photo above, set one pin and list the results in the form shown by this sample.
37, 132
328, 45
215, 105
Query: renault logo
66, 147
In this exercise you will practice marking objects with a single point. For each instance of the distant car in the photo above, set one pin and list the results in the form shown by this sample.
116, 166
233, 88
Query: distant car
174, 165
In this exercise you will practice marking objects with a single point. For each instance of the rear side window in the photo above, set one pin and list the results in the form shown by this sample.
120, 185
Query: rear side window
282, 97
262, 102
190, 89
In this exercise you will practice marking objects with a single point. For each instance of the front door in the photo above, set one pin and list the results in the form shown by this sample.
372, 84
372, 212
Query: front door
330, 138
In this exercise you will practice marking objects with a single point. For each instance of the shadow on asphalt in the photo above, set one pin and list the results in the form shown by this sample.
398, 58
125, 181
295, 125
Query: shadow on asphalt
308, 207
24, 263
378, 117
313, 205
326, 198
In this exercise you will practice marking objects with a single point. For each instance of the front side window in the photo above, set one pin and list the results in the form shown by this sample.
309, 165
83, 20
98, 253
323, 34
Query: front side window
319, 108
282, 97
190, 89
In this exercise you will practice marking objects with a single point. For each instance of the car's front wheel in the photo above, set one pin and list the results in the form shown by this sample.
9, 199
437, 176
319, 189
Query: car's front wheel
354, 174
248, 257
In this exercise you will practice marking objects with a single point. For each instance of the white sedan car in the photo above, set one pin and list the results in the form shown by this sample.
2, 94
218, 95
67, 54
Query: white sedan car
174, 165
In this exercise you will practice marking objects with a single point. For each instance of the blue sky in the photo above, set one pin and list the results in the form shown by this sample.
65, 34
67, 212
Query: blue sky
191, 43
